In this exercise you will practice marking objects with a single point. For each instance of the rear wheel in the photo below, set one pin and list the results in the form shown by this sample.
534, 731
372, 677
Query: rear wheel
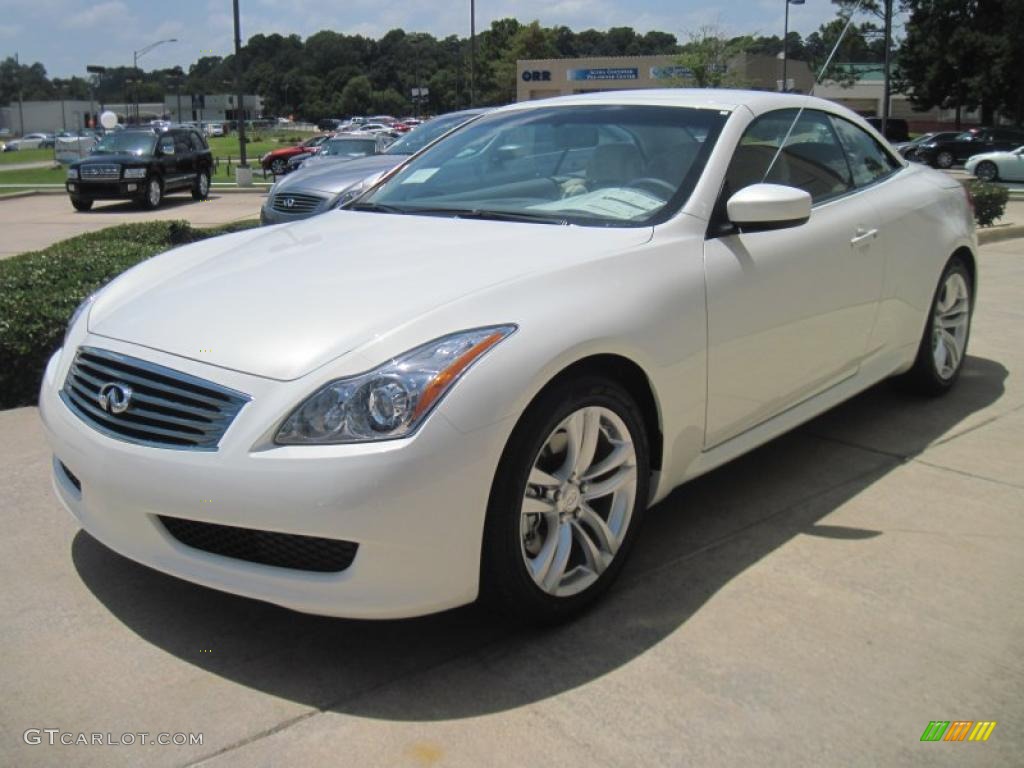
201, 187
940, 356
81, 203
944, 159
566, 502
987, 171
278, 166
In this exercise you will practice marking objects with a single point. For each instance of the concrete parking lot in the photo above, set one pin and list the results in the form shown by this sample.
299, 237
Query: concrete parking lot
815, 603
34, 222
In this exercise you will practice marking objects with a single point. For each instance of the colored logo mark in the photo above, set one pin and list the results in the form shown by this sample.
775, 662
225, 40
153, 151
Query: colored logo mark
958, 730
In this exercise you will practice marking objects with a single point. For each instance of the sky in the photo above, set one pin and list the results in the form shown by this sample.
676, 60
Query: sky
66, 35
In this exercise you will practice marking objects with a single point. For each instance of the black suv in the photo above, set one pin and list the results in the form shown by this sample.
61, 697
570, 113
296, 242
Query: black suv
946, 154
142, 164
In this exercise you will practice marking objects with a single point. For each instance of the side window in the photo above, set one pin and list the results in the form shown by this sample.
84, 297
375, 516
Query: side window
805, 154
167, 145
198, 144
868, 160
181, 145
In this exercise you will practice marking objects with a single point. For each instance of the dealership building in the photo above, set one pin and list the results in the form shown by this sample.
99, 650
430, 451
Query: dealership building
543, 78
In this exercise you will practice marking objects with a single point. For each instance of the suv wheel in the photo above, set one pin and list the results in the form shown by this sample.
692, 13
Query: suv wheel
944, 159
201, 188
152, 194
81, 203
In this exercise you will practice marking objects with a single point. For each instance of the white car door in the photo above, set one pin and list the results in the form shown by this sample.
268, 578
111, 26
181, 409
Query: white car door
790, 311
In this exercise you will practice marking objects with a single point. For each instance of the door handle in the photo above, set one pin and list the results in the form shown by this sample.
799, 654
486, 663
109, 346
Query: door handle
863, 235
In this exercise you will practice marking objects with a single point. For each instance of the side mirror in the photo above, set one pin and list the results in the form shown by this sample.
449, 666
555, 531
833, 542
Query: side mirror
769, 206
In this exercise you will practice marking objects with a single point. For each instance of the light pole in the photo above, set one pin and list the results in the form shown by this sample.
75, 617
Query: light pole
240, 107
136, 55
785, 45
472, 53
887, 87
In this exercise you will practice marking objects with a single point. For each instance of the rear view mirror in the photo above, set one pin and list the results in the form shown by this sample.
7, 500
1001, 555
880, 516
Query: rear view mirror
769, 206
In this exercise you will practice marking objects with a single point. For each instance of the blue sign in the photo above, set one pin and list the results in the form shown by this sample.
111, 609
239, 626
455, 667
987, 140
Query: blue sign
605, 73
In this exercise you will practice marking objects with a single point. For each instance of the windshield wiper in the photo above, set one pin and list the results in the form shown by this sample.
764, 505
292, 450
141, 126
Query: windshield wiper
490, 215
376, 208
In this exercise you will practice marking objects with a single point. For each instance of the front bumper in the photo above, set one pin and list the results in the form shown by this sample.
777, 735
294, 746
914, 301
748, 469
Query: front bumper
106, 190
415, 507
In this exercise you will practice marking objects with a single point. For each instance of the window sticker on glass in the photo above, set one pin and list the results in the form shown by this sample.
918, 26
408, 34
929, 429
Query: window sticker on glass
419, 176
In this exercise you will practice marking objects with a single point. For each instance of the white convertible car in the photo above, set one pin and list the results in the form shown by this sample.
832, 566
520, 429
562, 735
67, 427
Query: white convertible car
476, 380
997, 166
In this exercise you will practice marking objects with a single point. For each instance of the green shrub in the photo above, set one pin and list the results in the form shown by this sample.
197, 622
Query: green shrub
989, 201
39, 291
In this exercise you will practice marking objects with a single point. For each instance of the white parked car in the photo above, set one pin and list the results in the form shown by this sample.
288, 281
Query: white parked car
572, 307
28, 141
997, 166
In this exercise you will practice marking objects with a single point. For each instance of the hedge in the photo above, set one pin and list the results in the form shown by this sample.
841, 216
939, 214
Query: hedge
989, 201
39, 291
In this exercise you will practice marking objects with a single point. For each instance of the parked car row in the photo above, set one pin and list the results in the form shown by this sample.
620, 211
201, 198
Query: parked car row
325, 185
945, 151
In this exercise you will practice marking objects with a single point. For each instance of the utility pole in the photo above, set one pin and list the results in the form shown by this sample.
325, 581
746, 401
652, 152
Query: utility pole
21, 105
240, 107
785, 46
886, 97
472, 53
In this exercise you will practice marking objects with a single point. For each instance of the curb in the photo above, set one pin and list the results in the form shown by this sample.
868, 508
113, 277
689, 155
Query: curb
990, 235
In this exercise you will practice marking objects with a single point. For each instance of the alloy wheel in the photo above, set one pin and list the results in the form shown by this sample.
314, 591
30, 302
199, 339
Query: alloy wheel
578, 501
986, 171
153, 193
204, 185
944, 160
951, 322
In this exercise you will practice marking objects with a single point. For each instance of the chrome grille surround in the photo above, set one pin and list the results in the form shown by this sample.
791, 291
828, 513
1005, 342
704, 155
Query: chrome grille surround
301, 203
165, 408
98, 172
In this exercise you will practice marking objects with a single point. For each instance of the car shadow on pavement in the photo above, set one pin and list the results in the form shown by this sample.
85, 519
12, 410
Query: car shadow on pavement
132, 207
469, 662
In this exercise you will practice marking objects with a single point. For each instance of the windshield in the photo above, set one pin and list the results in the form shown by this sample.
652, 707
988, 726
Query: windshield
349, 147
126, 143
423, 134
594, 165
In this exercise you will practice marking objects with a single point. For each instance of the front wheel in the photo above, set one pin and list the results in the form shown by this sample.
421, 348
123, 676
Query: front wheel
201, 187
566, 502
278, 166
944, 159
987, 171
943, 347
152, 194
81, 203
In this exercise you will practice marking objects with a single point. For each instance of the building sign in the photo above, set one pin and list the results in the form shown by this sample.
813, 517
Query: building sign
537, 75
605, 73
671, 73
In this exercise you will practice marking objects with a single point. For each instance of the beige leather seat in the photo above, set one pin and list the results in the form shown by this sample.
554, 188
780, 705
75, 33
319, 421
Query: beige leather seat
614, 165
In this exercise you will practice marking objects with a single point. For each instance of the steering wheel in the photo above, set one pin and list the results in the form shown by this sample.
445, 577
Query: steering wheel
653, 184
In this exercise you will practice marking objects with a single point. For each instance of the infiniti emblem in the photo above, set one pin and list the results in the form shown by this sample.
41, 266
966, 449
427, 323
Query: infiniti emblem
115, 398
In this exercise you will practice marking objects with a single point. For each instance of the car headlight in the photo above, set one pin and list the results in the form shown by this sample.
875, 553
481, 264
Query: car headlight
72, 173
80, 310
390, 401
135, 173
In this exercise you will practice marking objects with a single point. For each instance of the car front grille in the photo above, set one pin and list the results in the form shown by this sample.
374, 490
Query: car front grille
283, 550
99, 172
296, 203
147, 404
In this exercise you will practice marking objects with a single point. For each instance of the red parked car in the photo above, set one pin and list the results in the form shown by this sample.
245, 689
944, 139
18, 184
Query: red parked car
277, 160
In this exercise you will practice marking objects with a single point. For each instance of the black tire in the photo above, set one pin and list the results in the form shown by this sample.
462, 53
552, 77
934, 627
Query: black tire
278, 166
944, 159
152, 194
506, 584
924, 378
201, 186
987, 171
81, 203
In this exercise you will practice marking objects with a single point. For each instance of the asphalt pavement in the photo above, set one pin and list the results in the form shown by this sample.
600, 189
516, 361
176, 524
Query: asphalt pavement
816, 603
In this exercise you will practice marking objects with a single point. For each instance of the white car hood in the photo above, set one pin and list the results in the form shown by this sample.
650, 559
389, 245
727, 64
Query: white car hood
279, 302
